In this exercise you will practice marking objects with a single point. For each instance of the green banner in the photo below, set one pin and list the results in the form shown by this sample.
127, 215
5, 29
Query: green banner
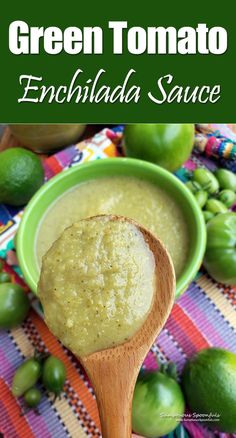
118, 62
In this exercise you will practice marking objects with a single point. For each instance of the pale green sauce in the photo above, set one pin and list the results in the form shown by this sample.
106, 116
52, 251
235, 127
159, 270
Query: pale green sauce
138, 199
96, 284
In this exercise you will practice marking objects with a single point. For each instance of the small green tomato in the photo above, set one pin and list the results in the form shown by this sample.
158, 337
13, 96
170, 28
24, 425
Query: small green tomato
206, 179
32, 397
54, 375
201, 197
228, 197
227, 179
208, 215
193, 186
25, 377
216, 206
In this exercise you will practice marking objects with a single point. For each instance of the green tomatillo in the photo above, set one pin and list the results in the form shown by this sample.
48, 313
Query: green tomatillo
220, 257
206, 179
226, 179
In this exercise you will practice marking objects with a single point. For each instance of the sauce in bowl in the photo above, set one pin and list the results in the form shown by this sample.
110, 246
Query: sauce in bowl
128, 196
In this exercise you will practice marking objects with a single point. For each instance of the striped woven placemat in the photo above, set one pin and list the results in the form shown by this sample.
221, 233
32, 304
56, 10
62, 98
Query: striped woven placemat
204, 316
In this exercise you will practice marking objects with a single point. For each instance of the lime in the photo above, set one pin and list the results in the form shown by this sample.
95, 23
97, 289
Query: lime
209, 383
21, 175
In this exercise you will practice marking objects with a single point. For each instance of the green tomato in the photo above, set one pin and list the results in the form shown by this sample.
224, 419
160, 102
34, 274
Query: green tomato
54, 375
1, 266
14, 305
193, 186
220, 256
26, 376
168, 145
228, 197
201, 197
32, 397
206, 179
4, 277
227, 179
216, 206
208, 215
157, 401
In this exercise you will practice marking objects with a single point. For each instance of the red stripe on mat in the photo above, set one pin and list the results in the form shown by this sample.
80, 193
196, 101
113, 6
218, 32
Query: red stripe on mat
20, 424
54, 165
6, 425
184, 322
15, 278
72, 374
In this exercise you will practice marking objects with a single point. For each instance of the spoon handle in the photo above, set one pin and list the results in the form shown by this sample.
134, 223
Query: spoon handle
113, 381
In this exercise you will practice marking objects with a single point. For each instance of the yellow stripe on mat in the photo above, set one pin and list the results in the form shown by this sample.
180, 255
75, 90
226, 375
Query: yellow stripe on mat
68, 417
218, 299
23, 342
64, 410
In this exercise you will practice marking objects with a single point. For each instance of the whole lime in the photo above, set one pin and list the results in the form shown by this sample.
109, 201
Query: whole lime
209, 384
14, 305
168, 145
21, 175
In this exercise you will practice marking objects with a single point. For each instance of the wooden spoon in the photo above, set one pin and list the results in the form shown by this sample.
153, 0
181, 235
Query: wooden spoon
113, 372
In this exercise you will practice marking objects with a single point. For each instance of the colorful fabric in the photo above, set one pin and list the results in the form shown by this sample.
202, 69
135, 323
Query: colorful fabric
217, 141
205, 315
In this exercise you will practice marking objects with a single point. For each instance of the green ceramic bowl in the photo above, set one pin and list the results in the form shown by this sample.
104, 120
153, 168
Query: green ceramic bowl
26, 235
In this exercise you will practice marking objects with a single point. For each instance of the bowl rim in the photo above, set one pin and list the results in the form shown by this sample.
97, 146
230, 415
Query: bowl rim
192, 264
